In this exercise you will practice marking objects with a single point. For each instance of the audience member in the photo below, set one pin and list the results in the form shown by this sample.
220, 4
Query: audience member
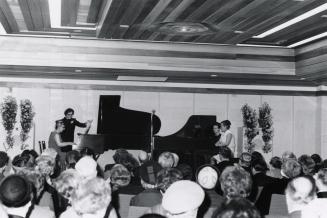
71, 159
316, 207
143, 157
16, 196
308, 165
182, 199
237, 208
288, 155
151, 195
245, 161
275, 166
86, 167
4, 161
67, 183
123, 157
166, 159
186, 170
255, 156
92, 198
87, 152
290, 169
318, 161
118, 176
299, 192
223, 158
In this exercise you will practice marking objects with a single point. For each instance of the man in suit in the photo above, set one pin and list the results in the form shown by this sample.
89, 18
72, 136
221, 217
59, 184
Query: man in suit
70, 123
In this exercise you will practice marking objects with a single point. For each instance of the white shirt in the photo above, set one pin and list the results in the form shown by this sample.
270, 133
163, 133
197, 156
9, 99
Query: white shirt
231, 145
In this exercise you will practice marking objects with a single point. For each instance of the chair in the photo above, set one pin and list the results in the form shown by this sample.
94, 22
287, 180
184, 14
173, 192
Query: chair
124, 200
136, 212
278, 205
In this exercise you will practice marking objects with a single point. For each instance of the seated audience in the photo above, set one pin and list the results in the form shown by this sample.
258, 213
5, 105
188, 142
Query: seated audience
16, 196
245, 161
71, 159
186, 170
255, 156
20, 163
308, 165
86, 167
223, 158
166, 159
237, 208
151, 195
123, 157
182, 199
290, 169
67, 183
118, 176
316, 207
288, 155
275, 166
4, 161
87, 152
143, 157
92, 199
31, 155
299, 192
259, 169
165, 178
318, 161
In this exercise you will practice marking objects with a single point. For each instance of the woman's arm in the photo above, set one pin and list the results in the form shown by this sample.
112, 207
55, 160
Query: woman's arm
60, 143
228, 140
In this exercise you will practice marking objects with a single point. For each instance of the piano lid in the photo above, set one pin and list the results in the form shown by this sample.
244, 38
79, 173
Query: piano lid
125, 128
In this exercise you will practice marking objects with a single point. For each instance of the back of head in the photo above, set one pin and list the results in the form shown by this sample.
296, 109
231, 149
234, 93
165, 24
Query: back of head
316, 158
45, 164
87, 152
207, 176
291, 168
123, 157
119, 176
4, 159
15, 191
186, 170
300, 191
166, 159
321, 179
259, 165
235, 182
276, 162
143, 156
67, 182
288, 155
91, 196
148, 173
86, 167
225, 152
245, 159
183, 197
237, 208
72, 157
168, 176
226, 123
307, 164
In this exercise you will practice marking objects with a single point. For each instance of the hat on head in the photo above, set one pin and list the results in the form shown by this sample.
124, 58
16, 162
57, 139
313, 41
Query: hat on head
207, 176
15, 191
148, 172
86, 167
182, 196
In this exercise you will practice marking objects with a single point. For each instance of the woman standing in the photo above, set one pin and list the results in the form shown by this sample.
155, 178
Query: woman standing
227, 138
56, 143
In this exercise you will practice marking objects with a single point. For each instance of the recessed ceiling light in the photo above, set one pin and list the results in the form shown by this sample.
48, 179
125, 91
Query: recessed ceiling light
142, 78
293, 21
213, 75
324, 16
77, 31
238, 31
302, 78
308, 40
124, 26
78, 71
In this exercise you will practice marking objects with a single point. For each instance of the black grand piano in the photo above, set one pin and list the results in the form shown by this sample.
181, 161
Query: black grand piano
124, 128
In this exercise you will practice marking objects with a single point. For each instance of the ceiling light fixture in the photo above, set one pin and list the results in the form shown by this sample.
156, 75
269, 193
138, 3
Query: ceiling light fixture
142, 78
124, 26
308, 40
293, 21
55, 13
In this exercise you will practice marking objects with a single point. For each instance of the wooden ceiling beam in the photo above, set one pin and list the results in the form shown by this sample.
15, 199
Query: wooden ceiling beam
7, 18
69, 11
94, 10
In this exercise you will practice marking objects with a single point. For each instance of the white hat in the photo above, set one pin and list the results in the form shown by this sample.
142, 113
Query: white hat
182, 196
86, 167
207, 177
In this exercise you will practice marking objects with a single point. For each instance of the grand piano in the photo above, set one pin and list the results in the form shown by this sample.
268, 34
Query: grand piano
129, 129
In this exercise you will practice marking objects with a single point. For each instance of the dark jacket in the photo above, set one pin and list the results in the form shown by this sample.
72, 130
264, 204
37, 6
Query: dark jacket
68, 134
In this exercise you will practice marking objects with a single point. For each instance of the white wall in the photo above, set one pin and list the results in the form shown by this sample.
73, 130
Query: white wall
297, 119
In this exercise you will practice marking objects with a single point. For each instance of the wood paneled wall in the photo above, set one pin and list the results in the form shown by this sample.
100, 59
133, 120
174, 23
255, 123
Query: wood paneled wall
63, 52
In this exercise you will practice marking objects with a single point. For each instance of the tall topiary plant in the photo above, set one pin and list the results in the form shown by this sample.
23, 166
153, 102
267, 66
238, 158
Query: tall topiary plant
26, 119
250, 122
265, 123
9, 113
